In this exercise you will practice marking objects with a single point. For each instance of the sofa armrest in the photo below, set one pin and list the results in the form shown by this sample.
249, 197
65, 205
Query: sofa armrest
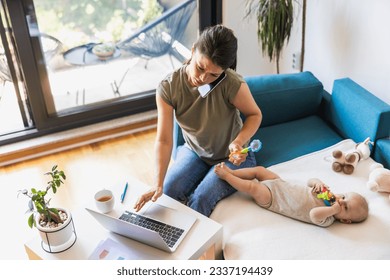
382, 152
356, 113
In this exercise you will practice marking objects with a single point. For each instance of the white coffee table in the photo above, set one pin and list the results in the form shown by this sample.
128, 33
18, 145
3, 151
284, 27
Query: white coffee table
201, 242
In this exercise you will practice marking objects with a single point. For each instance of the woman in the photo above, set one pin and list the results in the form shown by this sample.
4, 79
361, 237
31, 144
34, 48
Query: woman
212, 126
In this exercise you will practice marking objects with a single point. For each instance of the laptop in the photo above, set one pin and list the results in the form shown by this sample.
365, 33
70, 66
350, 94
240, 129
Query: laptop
158, 226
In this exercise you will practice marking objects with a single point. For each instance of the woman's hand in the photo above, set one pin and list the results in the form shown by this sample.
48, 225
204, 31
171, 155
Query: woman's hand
152, 194
236, 157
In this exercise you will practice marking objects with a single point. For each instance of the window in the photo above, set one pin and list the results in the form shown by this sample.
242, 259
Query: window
56, 80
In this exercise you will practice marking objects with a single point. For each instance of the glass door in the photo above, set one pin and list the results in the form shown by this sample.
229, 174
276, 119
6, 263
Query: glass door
92, 55
78, 62
14, 110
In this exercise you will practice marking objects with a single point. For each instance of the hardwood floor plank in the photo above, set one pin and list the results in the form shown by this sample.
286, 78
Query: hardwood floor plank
61, 141
88, 169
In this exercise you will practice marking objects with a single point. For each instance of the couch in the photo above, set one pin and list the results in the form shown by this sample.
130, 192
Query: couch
302, 124
300, 117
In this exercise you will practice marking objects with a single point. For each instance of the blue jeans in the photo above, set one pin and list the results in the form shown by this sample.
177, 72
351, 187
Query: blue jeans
193, 182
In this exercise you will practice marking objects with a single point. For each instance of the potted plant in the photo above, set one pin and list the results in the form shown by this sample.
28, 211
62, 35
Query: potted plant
104, 50
55, 225
274, 24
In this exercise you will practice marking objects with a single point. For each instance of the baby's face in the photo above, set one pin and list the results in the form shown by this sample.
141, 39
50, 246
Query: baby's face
351, 207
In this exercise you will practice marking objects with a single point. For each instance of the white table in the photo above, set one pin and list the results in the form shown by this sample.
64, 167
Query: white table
200, 243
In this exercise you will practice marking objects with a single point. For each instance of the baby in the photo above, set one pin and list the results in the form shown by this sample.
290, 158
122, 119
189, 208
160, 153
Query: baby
316, 205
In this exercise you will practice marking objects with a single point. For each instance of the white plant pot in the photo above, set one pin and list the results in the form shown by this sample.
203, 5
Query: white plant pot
57, 239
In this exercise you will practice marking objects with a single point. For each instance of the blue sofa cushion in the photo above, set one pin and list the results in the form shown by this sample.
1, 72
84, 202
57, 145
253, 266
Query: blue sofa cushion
289, 140
382, 152
358, 114
286, 97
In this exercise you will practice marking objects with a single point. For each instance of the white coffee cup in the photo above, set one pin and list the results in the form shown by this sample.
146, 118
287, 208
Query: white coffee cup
104, 200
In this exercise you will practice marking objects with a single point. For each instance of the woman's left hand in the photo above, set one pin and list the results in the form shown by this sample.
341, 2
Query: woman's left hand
236, 157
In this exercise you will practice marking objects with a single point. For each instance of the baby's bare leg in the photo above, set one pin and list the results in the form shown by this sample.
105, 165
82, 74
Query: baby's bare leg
246, 184
258, 172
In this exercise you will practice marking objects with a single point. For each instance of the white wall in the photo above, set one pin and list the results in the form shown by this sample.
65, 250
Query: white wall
250, 60
344, 38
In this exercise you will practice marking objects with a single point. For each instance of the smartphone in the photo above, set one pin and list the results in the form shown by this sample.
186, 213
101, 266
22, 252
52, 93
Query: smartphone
206, 89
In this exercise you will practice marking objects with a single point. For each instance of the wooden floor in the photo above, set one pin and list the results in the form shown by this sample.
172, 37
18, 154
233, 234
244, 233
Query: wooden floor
88, 169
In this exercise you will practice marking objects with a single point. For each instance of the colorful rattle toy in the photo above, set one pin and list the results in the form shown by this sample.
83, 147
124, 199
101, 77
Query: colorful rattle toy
254, 146
326, 195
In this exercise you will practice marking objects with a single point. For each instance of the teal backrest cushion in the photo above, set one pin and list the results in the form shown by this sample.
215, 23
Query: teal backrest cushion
286, 97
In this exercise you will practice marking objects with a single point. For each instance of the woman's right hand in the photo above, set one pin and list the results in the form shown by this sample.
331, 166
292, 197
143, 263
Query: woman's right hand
236, 157
152, 194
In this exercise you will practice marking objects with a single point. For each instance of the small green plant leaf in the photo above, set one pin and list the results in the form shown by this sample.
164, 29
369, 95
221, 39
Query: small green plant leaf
31, 221
62, 174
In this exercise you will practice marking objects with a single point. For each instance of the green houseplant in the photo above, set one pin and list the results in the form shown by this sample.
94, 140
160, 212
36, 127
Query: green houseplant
55, 225
38, 202
274, 23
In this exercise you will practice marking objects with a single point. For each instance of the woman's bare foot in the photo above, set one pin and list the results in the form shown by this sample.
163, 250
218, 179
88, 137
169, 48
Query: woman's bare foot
222, 170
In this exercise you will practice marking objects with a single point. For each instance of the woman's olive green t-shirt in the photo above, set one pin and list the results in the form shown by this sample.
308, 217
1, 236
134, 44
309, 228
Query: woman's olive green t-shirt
209, 124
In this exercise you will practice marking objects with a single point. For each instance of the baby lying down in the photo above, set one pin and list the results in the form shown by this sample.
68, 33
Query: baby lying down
311, 204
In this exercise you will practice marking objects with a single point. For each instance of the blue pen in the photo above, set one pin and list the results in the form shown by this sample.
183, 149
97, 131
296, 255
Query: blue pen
124, 193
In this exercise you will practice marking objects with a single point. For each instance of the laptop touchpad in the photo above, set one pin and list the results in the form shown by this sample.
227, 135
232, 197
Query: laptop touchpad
158, 212
168, 215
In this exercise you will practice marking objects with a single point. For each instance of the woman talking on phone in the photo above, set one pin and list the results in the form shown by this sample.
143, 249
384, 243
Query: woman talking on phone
210, 121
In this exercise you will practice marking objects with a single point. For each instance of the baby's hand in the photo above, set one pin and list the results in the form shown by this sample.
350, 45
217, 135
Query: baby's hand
318, 188
315, 184
337, 206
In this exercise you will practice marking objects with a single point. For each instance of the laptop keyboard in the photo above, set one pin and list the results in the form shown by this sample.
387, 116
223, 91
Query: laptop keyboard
169, 234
